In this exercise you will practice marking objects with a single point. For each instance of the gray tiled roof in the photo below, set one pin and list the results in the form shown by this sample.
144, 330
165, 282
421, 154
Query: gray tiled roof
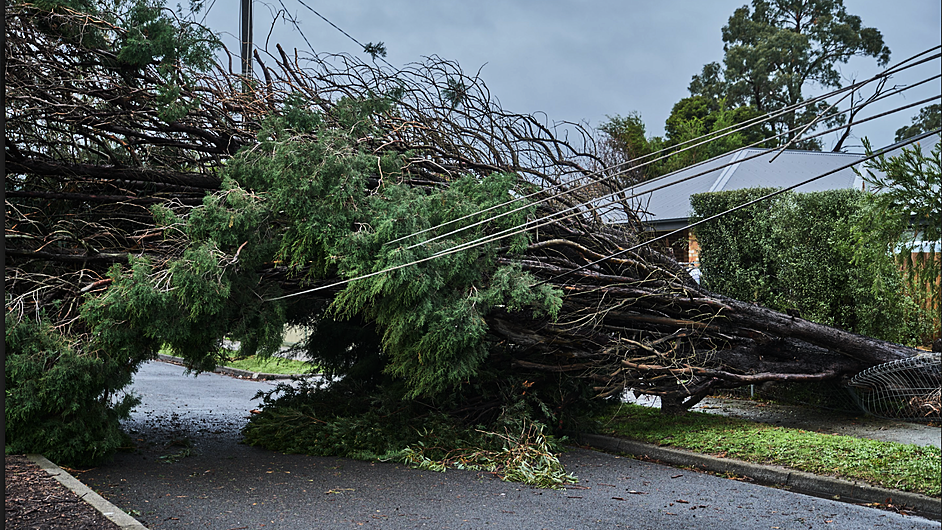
669, 207
749, 168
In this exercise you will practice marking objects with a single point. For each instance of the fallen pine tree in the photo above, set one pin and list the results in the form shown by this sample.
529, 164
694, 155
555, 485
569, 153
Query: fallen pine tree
447, 256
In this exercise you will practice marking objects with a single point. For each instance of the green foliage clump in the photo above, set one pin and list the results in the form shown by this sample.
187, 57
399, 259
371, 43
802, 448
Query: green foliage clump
416, 377
62, 402
429, 315
341, 421
191, 305
521, 453
627, 133
815, 252
709, 115
148, 35
797, 252
375, 50
154, 34
409, 342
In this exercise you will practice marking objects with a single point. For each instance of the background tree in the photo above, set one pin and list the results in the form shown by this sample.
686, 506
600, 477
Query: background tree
699, 119
778, 49
928, 119
707, 112
693, 120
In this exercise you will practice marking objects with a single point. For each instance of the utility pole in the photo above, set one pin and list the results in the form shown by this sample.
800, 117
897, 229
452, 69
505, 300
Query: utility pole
247, 39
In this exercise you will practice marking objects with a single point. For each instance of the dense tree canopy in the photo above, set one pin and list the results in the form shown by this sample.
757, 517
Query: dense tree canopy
777, 49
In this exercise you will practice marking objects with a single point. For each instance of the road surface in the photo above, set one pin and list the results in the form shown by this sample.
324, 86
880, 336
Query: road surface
190, 472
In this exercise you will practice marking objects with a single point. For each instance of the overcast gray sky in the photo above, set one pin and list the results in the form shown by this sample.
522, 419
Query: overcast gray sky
573, 60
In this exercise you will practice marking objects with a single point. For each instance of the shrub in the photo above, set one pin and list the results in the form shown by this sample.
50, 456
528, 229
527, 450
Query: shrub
61, 402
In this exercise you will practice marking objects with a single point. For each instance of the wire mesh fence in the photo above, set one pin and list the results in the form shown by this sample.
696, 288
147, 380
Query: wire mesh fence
907, 389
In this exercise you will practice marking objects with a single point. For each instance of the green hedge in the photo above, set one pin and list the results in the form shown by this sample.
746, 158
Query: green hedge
798, 252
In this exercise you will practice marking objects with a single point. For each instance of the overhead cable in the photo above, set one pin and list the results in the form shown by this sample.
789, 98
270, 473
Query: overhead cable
435, 256
576, 210
871, 156
338, 28
671, 151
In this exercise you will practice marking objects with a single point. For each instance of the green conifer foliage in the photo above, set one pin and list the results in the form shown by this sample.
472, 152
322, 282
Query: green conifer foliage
64, 375
61, 400
309, 199
302, 198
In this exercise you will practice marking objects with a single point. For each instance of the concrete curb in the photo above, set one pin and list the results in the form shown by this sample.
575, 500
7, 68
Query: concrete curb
235, 372
112, 512
799, 481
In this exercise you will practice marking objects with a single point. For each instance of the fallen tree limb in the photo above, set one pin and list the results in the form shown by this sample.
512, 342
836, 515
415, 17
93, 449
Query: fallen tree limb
82, 167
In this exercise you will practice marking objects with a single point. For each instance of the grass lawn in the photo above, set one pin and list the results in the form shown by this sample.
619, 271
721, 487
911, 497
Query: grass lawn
271, 365
887, 464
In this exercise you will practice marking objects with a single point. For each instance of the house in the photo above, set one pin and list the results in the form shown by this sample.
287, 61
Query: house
665, 202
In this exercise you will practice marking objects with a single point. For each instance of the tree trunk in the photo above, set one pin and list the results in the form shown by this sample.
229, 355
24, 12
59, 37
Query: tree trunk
640, 322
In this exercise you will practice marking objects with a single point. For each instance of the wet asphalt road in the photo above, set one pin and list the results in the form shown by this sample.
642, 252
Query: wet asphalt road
218, 483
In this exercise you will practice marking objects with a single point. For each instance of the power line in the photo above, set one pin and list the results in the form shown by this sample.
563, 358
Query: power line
296, 26
619, 253
205, 14
881, 152
575, 211
595, 204
672, 150
338, 28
